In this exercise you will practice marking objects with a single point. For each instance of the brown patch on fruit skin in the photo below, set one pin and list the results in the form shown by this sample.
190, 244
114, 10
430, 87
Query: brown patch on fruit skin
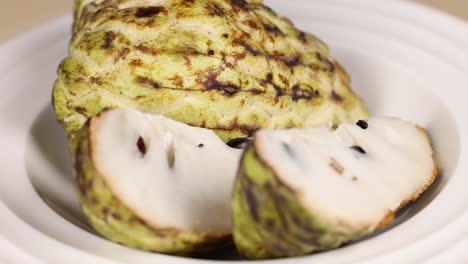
252, 202
210, 82
147, 81
291, 61
80, 110
279, 203
242, 4
302, 94
331, 66
319, 56
188, 3
146, 50
121, 54
302, 37
95, 80
177, 80
109, 38
216, 10
336, 97
235, 126
272, 29
252, 24
134, 63
116, 216
110, 217
248, 48
149, 11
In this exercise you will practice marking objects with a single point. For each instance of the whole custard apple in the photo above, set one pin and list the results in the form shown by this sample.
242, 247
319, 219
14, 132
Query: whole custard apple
233, 66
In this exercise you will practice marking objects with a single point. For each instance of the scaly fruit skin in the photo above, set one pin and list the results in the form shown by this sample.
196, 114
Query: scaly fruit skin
233, 66
270, 221
115, 221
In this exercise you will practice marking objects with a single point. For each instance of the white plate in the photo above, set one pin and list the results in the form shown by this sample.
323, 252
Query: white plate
405, 60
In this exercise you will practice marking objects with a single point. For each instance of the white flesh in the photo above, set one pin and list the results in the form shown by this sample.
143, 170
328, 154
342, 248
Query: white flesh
193, 195
344, 184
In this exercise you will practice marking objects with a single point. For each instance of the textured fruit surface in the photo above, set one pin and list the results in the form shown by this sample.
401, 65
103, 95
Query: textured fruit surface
232, 66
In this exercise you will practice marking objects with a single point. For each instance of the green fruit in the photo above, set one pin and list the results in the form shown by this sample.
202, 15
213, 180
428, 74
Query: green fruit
300, 191
155, 184
233, 66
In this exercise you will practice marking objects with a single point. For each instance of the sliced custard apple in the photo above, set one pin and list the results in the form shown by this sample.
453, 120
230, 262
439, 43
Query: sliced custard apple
155, 184
305, 190
233, 66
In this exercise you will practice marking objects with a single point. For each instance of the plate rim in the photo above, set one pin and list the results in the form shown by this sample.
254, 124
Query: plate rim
19, 40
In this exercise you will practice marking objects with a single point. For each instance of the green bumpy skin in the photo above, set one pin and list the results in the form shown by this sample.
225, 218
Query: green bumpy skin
271, 222
115, 221
233, 66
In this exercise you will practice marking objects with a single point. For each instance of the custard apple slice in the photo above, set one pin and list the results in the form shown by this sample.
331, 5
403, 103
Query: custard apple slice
304, 190
156, 184
233, 66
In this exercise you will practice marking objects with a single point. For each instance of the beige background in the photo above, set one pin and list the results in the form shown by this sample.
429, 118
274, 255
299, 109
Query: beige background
19, 15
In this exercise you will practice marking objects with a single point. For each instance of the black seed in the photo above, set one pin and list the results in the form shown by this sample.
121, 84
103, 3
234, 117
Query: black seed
141, 146
201, 145
211, 52
239, 143
363, 124
358, 149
